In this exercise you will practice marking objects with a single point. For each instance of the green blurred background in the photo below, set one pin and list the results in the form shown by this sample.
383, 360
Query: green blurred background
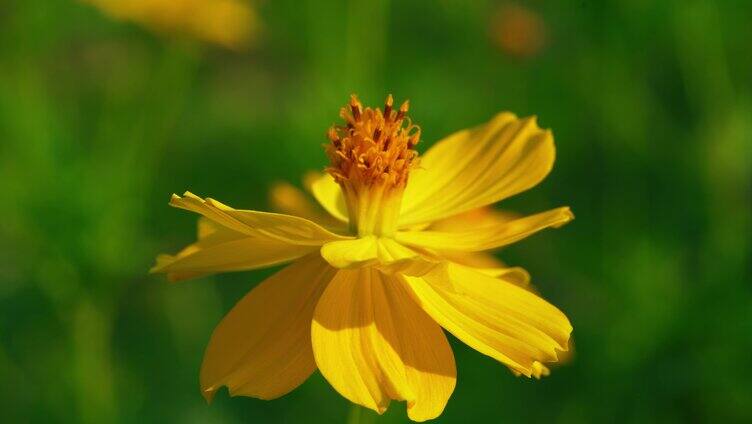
102, 119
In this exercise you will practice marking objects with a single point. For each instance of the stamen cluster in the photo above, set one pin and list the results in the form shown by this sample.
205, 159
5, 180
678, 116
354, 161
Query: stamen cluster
374, 147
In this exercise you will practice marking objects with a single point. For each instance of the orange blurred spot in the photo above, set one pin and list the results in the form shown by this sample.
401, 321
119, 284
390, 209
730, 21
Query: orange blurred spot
518, 31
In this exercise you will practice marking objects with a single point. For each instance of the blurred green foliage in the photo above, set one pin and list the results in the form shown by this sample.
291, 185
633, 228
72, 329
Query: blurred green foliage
100, 121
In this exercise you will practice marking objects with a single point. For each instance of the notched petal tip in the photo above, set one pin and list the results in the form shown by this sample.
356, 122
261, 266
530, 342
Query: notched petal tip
503, 116
565, 217
208, 394
537, 371
161, 261
178, 201
263, 225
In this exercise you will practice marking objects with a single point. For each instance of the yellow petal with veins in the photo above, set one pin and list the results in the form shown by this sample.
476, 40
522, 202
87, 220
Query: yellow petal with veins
488, 237
473, 259
262, 347
265, 225
226, 252
487, 264
485, 217
479, 217
373, 344
494, 317
220, 249
477, 167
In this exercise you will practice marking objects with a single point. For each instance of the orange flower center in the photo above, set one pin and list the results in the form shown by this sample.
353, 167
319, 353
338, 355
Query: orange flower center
371, 157
374, 147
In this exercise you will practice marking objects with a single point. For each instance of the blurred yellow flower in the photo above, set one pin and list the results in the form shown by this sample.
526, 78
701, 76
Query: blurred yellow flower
230, 23
401, 256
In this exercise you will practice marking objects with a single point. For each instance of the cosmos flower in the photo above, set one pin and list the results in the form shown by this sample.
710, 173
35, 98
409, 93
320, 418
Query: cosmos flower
401, 256
286, 198
230, 23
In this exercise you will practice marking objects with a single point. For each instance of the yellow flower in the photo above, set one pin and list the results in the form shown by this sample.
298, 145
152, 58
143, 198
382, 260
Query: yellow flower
230, 23
369, 290
286, 198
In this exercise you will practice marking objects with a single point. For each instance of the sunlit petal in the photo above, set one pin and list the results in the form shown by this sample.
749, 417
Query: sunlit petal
494, 317
214, 254
477, 167
374, 344
351, 253
489, 237
274, 226
482, 217
262, 348
381, 253
538, 370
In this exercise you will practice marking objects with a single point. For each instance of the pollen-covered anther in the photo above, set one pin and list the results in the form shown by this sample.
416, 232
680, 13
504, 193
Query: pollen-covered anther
373, 147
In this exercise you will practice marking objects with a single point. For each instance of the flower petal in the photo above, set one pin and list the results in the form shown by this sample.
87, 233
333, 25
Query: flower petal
287, 199
485, 216
539, 370
351, 253
274, 226
211, 256
481, 260
494, 317
477, 219
373, 343
487, 264
262, 348
515, 275
206, 227
488, 237
477, 167
220, 249
382, 253
330, 197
